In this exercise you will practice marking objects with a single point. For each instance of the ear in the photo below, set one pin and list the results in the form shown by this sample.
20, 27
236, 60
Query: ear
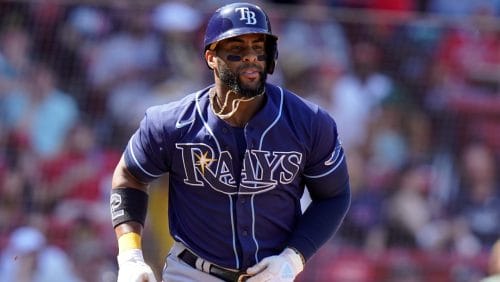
210, 58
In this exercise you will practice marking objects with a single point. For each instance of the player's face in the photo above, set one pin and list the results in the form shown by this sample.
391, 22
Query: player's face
242, 64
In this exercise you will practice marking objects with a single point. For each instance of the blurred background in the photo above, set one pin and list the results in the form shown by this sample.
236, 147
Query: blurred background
414, 86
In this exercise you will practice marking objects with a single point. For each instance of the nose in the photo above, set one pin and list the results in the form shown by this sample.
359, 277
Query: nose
250, 55
250, 58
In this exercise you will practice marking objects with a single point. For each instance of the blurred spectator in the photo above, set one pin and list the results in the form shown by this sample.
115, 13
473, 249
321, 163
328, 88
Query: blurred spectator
79, 38
91, 251
75, 181
364, 224
391, 5
420, 136
408, 49
15, 56
311, 40
465, 78
324, 77
470, 51
179, 26
477, 198
463, 8
394, 5
493, 264
19, 179
387, 139
45, 18
126, 66
89, 22
40, 111
357, 95
408, 210
28, 258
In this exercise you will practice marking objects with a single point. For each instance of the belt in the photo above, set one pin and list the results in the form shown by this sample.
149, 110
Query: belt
222, 273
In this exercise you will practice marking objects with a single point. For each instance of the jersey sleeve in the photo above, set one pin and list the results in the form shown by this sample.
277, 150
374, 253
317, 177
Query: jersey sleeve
145, 154
327, 180
326, 169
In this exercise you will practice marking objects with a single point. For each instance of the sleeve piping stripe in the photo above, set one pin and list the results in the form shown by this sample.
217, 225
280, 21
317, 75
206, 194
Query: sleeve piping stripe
137, 162
328, 172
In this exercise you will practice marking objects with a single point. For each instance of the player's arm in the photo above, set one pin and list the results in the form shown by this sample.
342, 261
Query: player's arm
128, 202
122, 222
327, 180
324, 215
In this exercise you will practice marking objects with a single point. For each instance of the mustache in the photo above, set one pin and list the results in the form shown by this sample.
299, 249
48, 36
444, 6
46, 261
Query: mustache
250, 65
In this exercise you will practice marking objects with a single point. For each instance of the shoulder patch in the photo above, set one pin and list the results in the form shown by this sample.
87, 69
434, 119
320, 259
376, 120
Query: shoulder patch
335, 154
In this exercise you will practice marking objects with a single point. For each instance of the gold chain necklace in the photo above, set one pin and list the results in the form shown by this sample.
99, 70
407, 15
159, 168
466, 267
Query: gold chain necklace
235, 104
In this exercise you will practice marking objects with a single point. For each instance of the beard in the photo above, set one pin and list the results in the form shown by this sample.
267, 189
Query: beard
232, 80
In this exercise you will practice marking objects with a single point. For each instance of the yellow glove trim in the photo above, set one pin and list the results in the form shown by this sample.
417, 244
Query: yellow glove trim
129, 241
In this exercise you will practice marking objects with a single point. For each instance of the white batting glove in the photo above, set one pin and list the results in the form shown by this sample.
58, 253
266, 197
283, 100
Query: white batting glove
132, 267
282, 268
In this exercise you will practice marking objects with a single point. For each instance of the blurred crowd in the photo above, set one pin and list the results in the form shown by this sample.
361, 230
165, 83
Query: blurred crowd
413, 85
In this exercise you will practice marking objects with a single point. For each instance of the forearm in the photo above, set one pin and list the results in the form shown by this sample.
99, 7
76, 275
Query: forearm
128, 206
320, 222
129, 242
129, 202
130, 226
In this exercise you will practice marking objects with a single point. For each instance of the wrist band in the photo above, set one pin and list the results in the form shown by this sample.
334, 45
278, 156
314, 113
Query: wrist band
128, 204
129, 241
300, 255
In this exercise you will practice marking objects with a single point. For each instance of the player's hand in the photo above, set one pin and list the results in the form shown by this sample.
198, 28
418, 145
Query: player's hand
132, 267
283, 267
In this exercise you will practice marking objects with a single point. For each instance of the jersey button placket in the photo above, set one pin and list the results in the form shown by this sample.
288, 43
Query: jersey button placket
245, 235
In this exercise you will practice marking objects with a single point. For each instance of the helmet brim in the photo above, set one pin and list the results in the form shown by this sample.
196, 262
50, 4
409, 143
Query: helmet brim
238, 32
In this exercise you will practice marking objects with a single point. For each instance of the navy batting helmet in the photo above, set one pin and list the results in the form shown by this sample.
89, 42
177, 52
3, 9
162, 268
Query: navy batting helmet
242, 18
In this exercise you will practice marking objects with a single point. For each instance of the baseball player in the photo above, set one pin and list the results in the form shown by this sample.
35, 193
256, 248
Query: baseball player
239, 154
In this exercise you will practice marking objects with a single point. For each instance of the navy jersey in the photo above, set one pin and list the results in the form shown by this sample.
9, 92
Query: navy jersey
235, 209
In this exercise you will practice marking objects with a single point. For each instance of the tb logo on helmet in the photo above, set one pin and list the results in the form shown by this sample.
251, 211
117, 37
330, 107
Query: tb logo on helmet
246, 14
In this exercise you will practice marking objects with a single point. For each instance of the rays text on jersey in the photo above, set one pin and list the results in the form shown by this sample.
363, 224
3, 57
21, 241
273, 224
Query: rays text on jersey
262, 170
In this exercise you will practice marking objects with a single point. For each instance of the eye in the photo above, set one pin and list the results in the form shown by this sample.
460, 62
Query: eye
236, 48
259, 48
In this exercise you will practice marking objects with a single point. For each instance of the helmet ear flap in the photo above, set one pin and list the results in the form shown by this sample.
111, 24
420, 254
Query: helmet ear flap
272, 54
